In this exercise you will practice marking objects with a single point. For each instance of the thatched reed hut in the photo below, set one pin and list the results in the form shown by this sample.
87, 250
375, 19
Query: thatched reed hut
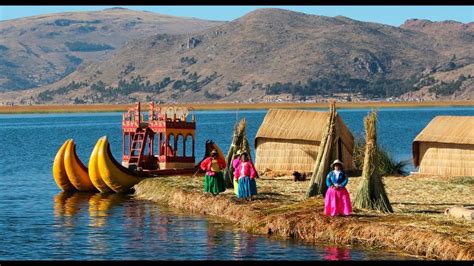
446, 147
288, 140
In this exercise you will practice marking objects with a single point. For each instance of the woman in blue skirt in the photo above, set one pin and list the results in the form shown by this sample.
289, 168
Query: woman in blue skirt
245, 175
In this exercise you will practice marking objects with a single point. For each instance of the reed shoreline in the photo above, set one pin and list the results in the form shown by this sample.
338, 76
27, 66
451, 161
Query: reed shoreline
280, 210
79, 108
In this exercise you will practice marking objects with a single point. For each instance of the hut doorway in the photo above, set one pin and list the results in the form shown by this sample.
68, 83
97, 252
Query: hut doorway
339, 150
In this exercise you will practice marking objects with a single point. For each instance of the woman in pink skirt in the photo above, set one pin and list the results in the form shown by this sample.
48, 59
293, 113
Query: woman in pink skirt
337, 200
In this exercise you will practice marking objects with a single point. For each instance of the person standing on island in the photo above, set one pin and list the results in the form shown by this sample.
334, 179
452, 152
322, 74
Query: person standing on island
245, 174
337, 200
235, 163
214, 178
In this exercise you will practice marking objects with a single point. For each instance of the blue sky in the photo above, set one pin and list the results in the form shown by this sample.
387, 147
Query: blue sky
391, 15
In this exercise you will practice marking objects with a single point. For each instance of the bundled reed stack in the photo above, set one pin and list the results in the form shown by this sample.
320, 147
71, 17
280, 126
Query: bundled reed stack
239, 142
371, 193
317, 185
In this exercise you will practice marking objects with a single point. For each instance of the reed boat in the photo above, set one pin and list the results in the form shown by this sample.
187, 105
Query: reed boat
166, 131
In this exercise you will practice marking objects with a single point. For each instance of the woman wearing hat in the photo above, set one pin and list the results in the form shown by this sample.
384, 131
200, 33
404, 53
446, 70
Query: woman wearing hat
235, 163
213, 179
337, 200
245, 175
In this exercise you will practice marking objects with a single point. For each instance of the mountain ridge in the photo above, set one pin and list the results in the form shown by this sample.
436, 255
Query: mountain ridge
42, 49
269, 52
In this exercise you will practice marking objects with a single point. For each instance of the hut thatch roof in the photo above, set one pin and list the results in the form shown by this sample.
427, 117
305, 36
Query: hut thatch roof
445, 129
296, 125
300, 125
293, 124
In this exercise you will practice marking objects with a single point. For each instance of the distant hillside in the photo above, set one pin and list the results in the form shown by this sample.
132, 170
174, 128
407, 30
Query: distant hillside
445, 85
273, 52
40, 50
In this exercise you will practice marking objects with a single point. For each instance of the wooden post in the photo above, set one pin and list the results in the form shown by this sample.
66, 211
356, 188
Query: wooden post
150, 144
160, 137
193, 145
175, 149
123, 145
130, 143
137, 114
165, 150
184, 145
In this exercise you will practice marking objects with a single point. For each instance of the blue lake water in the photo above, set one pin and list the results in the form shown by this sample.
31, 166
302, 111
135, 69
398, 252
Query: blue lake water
37, 221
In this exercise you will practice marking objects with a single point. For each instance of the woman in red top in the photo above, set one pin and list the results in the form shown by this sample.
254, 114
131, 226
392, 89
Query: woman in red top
214, 178
245, 175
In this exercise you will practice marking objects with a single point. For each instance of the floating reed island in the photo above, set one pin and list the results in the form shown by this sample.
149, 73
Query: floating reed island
406, 214
398, 213
416, 227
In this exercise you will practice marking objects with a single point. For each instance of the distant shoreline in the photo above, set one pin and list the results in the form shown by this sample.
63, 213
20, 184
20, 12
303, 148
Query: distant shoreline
80, 108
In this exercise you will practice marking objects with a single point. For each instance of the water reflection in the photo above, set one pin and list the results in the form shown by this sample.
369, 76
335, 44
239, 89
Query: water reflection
135, 214
100, 205
244, 246
211, 241
336, 253
159, 225
114, 226
100, 209
68, 204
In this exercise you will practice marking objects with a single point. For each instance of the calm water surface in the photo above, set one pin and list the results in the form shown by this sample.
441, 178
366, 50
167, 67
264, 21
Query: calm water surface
37, 221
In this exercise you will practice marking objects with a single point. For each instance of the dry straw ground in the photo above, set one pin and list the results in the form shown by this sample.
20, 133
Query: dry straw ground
417, 227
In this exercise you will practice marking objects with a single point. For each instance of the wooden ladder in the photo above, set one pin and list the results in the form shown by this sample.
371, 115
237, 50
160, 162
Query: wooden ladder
138, 145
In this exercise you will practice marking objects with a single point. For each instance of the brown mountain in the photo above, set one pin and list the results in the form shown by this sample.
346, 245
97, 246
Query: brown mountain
247, 57
39, 50
451, 38
452, 79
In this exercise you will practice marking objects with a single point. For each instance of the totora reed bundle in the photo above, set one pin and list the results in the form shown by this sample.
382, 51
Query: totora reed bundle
317, 185
371, 193
239, 142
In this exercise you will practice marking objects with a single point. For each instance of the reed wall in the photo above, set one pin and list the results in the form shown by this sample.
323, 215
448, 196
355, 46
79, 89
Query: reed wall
286, 155
446, 159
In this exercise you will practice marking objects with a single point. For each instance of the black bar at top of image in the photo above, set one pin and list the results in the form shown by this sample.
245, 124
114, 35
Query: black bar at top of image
236, 2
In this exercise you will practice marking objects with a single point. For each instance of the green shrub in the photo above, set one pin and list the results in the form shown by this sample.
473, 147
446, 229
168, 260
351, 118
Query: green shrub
212, 96
189, 61
87, 47
379, 86
387, 164
234, 86
448, 88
